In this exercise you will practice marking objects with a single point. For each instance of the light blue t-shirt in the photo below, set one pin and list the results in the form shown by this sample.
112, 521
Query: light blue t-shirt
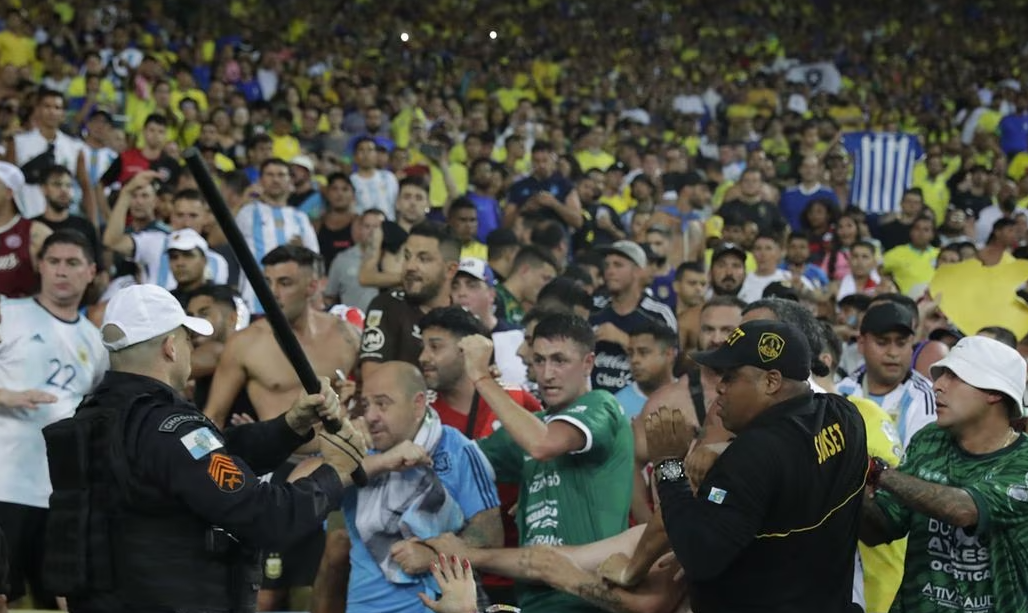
631, 400
467, 476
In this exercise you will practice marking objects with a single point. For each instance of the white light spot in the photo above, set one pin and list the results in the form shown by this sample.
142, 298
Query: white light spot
492, 34
404, 37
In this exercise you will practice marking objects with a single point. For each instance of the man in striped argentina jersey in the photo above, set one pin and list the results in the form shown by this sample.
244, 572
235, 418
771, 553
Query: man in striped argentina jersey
883, 167
887, 343
50, 357
269, 223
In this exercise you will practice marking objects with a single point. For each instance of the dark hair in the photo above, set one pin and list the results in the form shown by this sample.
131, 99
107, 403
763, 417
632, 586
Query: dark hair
454, 319
685, 267
767, 236
569, 326
837, 246
188, 194
542, 146
795, 314
449, 246
273, 162
412, 182
866, 245
55, 171
589, 258
258, 139
534, 257
659, 331
832, 345
954, 247
46, 92
548, 235
220, 294
156, 118
284, 115
566, 292
913, 191
723, 301
67, 236
860, 302
304, 257
1002, 335
360, 140
461, 203
236, 180
798, 236
1001, 224
338, 176
578, 274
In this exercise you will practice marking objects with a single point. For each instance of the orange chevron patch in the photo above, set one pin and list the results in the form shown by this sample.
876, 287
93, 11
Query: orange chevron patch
225, 474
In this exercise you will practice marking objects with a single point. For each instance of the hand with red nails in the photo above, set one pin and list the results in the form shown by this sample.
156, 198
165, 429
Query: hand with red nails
457, 582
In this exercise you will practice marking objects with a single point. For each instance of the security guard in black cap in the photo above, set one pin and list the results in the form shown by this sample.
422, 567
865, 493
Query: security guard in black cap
773, 526
153, 510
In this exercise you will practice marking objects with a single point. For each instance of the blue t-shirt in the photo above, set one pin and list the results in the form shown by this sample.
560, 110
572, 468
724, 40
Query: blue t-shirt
467, 476
631, 400
663, 289
811, 273
1013, 133
794, 202
524, 189
488, 214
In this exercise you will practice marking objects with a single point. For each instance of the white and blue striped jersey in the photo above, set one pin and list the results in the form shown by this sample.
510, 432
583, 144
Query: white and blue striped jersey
883, 167
41, 352
911, 405
378, 191
266, 227
152, 254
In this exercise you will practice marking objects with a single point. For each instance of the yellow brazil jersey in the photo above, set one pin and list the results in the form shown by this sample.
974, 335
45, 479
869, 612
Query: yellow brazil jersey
284, 147
988, 121
751, 263
15, 50
936, 195
883, 565
1018, 166
909, 266
475, 249
588, 160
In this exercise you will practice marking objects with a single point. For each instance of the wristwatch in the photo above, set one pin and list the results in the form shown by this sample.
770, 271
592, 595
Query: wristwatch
875, 467
670, 470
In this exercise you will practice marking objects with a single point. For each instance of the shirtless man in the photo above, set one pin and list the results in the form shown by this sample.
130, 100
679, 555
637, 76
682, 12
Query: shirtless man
253, 360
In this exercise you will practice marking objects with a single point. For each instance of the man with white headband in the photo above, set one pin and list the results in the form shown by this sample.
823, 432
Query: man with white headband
961, 491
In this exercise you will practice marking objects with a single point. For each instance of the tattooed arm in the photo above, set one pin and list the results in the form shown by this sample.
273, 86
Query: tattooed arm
484, 530
949, 504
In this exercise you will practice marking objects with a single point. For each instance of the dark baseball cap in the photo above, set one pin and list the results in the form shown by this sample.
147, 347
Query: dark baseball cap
726, 249
763, 344
886, 317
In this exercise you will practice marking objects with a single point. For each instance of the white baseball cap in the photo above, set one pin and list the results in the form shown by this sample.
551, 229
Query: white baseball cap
986, 364
143, 312
186, 240
303, 161
477, 268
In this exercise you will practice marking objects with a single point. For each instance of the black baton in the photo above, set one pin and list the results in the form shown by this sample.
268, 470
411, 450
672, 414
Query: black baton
276, 318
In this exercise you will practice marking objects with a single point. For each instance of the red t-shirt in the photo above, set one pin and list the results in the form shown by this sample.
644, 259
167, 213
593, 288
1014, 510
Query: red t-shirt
17, 277
484, 425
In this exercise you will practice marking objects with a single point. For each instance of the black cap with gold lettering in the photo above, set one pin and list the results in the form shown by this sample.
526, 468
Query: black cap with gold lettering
764, 344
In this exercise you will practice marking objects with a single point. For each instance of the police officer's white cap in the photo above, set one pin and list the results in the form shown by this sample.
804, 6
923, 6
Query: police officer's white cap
143, 312
986, 364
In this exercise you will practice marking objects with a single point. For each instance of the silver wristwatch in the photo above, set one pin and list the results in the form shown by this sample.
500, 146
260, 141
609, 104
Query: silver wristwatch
670, 470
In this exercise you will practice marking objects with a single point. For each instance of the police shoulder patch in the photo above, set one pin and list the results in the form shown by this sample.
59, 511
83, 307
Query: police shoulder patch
172, 423
226, 475
200, 442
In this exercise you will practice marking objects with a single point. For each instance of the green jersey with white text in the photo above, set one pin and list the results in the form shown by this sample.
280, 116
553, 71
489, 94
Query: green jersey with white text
575, 499
981, 569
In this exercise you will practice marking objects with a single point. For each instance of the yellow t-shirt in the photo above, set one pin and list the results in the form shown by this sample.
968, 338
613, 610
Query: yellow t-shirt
910, 267
936, 195
1018, 166
588, 160
284, 147
883, 565
16, 50
475, 249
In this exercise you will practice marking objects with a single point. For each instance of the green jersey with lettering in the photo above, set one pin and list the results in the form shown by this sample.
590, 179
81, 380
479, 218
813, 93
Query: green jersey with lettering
974, 570
578, 498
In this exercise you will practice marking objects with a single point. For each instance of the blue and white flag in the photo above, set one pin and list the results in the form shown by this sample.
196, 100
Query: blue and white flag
883, 167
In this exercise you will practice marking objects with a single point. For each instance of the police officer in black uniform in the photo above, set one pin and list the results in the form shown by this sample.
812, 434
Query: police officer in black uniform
153, 509
773, 526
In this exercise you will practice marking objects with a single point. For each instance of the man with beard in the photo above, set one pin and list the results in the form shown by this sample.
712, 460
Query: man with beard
57, 189
391, 331
658, 238
216, 304
335, 228
727, 270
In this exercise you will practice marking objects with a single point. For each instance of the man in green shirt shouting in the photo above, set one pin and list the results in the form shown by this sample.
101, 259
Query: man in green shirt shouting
961, 491
573, 461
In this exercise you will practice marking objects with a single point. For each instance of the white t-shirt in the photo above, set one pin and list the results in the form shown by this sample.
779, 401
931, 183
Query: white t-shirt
754, 285
39, 351
29, 145
152, 254
378, 191
505, 348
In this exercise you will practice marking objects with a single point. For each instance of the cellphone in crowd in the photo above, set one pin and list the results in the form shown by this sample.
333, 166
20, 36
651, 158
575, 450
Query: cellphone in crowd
431, 151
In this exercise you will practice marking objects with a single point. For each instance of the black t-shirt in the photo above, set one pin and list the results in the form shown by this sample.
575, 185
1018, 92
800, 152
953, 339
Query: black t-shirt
766, 215
391, 330
968, 201
785, 495
893, 234
225, 251
332, 242
80, 225
589, 235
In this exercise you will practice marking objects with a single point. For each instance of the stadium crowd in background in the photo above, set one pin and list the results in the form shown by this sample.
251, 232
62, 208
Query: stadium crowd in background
603, 189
